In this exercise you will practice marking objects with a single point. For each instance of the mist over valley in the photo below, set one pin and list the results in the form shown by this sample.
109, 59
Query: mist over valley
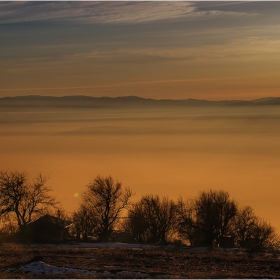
167, 147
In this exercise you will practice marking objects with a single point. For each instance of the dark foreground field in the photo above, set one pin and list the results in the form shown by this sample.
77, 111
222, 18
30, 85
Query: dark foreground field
18, 261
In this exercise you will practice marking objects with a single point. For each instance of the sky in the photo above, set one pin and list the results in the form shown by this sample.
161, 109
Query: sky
162, 50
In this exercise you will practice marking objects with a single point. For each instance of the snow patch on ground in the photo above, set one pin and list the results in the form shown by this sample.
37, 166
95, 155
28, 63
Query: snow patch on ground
111, 245
40, 267
132, 274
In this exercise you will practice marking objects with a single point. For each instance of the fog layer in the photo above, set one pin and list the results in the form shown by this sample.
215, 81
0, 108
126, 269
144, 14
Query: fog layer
167, 151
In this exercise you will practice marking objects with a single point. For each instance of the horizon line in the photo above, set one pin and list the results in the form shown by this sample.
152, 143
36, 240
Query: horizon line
136, 96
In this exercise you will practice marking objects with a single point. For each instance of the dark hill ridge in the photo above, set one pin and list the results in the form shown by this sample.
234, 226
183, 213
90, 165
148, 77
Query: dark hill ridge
80, 101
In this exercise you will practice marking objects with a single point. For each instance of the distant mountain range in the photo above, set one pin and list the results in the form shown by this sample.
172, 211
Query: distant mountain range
80, 101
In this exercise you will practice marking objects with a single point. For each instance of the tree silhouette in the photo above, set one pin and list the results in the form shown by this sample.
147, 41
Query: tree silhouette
207, 217
23, 200
152, 219
84, 222
243, 225
252, 233
107, 200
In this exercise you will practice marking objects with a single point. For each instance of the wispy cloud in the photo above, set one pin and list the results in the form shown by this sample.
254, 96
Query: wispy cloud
235, 79
106, 12
246, 48
250, 48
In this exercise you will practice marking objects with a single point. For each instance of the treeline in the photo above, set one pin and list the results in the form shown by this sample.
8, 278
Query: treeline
211, 219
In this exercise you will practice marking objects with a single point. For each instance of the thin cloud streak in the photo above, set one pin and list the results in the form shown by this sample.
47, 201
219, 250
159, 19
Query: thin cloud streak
253, 47
105, 12
118, 85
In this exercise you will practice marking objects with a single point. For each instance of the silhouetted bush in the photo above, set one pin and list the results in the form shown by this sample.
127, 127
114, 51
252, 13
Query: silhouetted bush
152, 220
205, 220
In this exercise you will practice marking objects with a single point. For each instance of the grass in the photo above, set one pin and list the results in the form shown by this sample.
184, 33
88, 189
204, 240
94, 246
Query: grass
139, 263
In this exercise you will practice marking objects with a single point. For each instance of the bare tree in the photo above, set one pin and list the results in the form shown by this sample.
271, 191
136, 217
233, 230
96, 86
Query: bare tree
263, 236
84, 222
252, 233
207, 217
187, 228
8, 224
152, 219
107, 200
242, 225
22, 199
136, 224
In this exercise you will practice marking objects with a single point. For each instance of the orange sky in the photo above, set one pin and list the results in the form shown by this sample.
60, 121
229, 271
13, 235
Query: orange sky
170, 152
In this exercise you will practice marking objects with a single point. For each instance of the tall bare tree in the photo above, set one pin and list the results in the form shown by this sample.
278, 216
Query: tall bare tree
152, 219
208, 216
22, 199
107, 200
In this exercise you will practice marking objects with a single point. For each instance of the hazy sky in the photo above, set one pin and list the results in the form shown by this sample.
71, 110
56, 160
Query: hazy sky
166, 151
205, 50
